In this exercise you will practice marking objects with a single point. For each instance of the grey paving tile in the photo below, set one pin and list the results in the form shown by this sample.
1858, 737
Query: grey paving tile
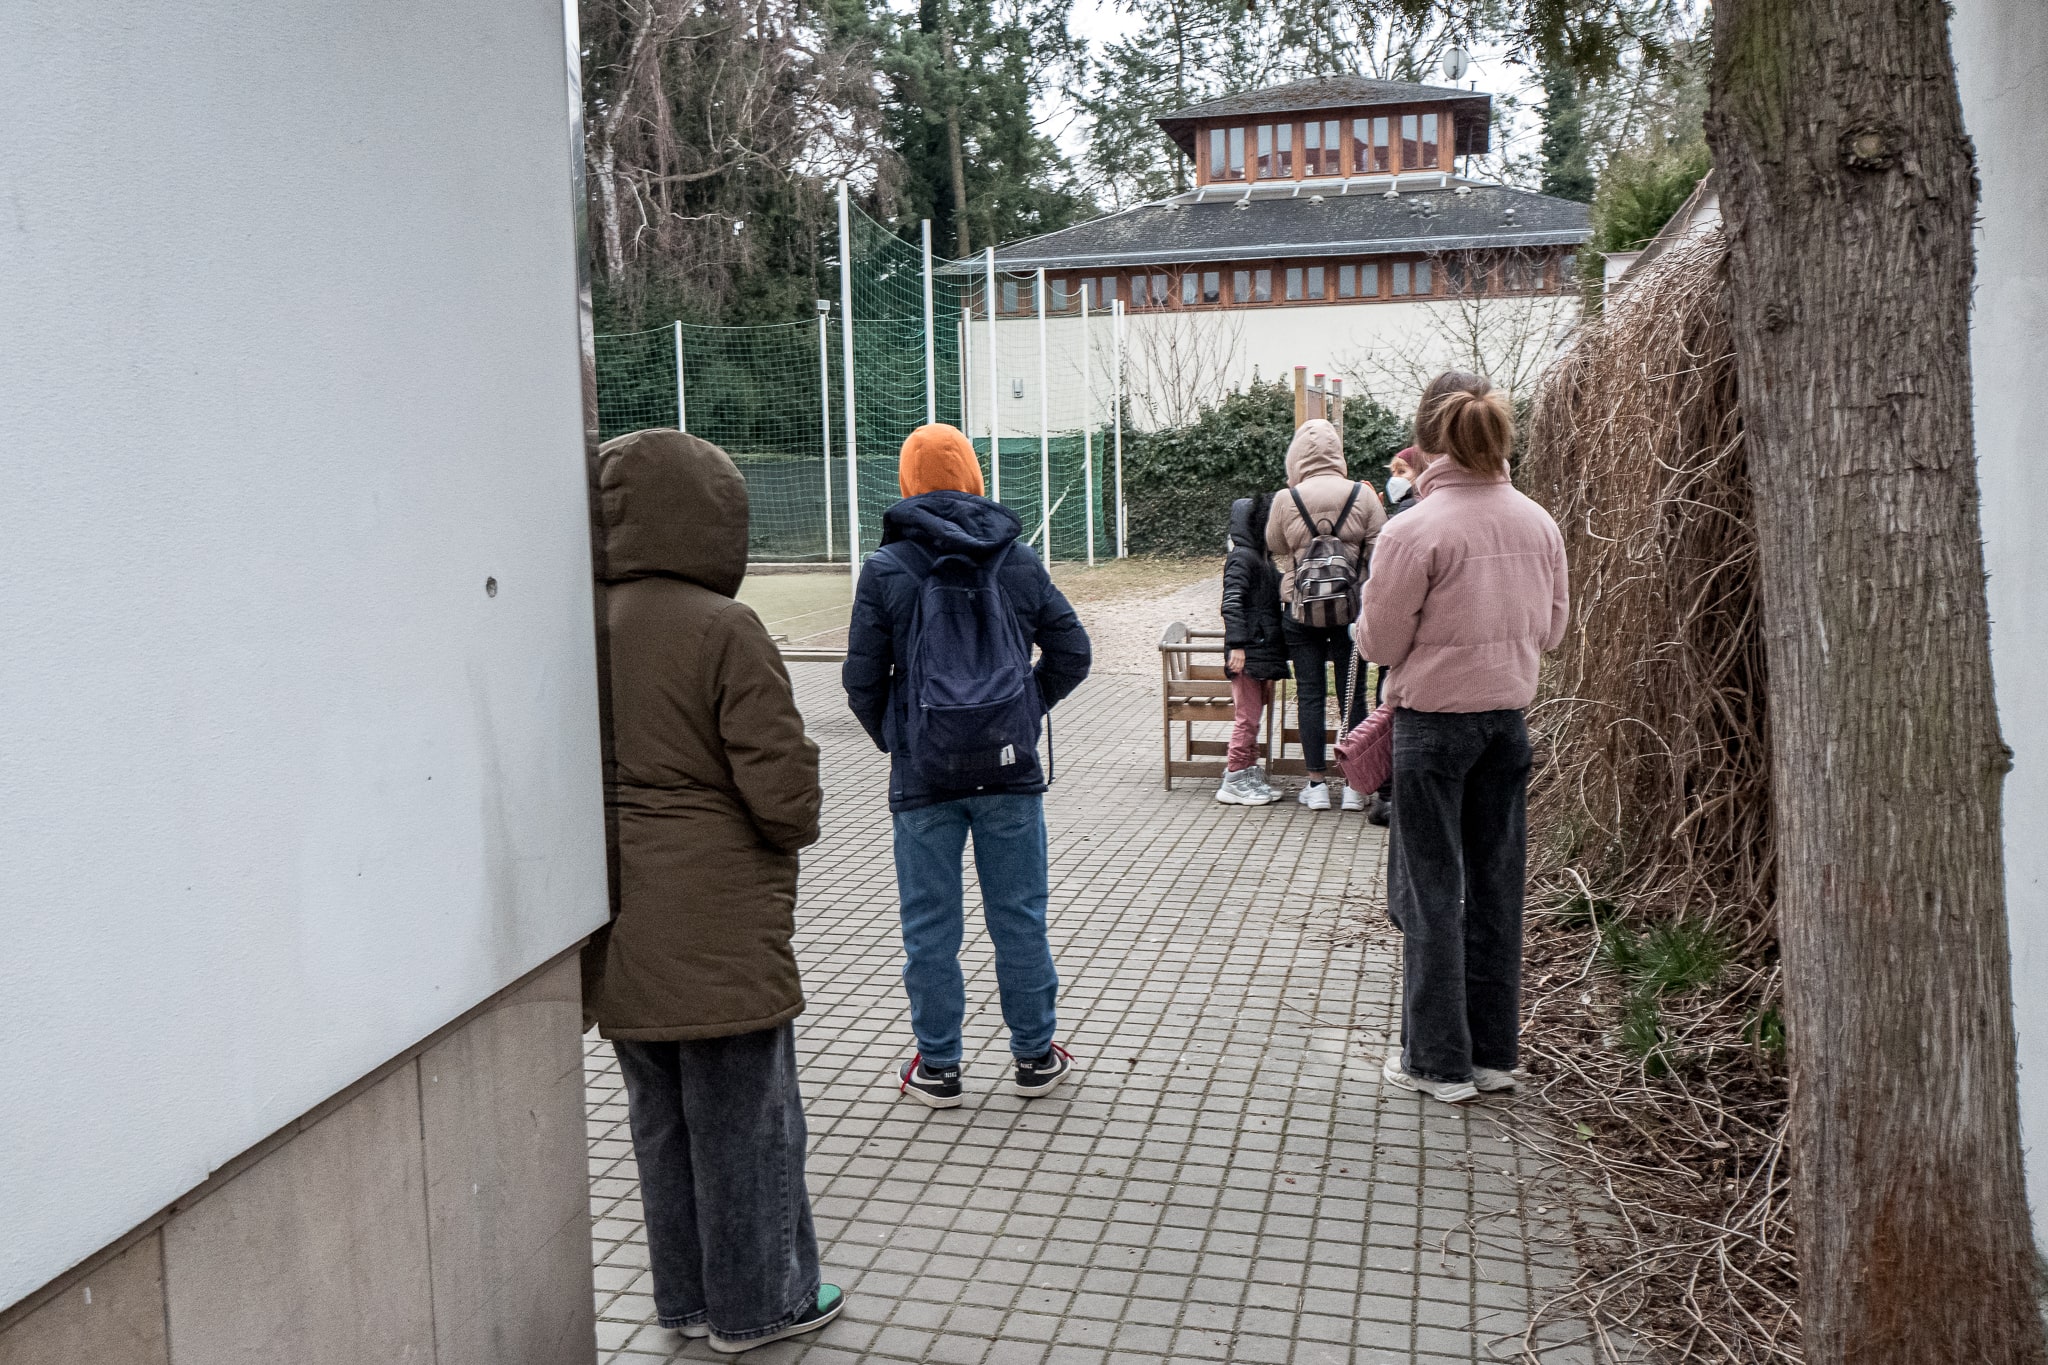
1226, 1179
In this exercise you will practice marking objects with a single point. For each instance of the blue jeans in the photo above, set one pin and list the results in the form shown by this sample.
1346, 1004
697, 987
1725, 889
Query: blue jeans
1009, 858
718, 1131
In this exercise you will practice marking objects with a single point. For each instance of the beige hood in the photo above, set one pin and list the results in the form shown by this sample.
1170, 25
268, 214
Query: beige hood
1316, 449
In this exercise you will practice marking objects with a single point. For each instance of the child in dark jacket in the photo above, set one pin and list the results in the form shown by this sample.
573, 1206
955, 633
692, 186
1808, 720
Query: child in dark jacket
1255, 652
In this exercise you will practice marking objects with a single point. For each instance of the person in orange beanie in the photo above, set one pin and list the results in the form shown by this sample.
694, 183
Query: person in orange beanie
935, 457
946, 613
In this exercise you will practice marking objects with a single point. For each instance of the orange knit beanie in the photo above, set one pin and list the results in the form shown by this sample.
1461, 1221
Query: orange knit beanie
936, 457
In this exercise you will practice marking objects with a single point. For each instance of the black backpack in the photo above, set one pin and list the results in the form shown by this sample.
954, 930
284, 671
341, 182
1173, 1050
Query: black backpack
1326, 574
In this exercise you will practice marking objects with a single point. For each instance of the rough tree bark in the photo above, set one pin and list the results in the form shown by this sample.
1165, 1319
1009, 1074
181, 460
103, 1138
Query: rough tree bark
956, 163
1849, 195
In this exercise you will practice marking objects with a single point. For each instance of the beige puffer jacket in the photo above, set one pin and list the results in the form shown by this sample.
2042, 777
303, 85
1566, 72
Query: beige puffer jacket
1315, 468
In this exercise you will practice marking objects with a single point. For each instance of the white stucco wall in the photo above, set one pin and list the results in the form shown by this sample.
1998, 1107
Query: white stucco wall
291, 360
2001, 50
1380, 350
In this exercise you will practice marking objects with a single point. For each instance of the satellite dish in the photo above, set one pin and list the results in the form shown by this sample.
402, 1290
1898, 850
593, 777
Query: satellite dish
1455, 63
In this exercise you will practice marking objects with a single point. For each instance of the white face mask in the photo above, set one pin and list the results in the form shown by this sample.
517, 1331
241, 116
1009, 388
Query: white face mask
1397, 488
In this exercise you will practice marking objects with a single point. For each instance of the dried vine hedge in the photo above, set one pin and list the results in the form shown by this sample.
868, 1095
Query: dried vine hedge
1651, 827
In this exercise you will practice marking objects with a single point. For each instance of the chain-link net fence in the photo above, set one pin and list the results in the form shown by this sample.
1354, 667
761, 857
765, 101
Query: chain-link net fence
762, 394
773, 397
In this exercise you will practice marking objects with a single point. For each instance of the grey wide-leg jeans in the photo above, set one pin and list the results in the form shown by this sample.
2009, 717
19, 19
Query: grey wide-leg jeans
1456, 874
718, 1131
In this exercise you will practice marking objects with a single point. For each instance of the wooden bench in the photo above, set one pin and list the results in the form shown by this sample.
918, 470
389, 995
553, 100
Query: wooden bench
1194, 690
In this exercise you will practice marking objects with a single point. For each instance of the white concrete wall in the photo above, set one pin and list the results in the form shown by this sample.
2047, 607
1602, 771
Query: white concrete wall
2001, 50
291, 359
1174, 359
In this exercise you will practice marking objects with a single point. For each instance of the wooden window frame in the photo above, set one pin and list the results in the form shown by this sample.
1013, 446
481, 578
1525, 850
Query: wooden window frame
1351, 152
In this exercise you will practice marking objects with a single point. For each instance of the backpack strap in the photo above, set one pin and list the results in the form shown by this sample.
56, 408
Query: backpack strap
1345, 515
1302, 507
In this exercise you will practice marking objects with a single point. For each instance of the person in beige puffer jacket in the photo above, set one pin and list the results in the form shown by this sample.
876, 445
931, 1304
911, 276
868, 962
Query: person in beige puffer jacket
1317, 472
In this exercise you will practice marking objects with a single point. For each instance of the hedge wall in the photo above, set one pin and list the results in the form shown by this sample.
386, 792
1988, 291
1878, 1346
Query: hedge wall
1179, 483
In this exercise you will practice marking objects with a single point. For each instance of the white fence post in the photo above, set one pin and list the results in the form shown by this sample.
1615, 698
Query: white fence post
1044, 429
995, 458
1087, 431
825, 417
846, 362
1117, 414
931, 359
681, 423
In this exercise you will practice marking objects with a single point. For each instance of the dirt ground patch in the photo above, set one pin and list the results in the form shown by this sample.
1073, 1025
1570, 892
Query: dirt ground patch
1125, 604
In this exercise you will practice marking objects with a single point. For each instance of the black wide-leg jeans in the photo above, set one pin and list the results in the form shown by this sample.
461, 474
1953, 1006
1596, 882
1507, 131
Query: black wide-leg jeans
1458, 857
718, 1132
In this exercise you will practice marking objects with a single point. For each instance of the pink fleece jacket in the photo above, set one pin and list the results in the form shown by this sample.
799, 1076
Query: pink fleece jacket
1468, 590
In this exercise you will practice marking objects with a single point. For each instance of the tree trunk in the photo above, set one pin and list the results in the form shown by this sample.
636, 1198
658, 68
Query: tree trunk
609, 234
1849, 193
963, 245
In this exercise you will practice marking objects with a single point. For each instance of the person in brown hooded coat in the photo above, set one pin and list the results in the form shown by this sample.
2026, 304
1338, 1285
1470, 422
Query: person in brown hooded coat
1319, 481
711, 787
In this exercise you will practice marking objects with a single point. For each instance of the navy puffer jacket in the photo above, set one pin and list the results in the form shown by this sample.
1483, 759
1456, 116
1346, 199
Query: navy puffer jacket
885, 609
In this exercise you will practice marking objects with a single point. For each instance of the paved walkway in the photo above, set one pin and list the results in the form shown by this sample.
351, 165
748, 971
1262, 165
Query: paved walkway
1228, 1181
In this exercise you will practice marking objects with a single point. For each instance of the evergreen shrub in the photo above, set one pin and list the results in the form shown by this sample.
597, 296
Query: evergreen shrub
1179, 482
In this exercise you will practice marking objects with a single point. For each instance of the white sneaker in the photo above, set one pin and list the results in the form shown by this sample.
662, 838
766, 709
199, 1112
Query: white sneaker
1259, 781
1240, 789
1488, 1081
1450, 1092
1353, 799
1315, 796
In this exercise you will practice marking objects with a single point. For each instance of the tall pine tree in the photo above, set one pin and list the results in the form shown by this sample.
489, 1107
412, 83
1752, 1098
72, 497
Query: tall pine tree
963, 83
1567, 172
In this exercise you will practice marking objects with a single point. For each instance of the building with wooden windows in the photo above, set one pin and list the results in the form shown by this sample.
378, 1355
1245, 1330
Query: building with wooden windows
1327, 225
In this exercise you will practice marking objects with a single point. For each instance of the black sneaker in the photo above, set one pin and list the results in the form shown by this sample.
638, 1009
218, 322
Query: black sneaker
937, 1089
1379, 811
831, 1298
1036, 1075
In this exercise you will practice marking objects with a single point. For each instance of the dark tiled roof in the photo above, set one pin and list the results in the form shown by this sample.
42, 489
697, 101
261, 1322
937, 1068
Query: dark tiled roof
1359, 224
1321, 92
1472, 114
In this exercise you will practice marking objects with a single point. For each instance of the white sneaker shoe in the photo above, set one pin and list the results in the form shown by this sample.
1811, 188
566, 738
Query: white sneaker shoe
1241, 789
1259, 781
1488, 1081
1450, 1092
1316, 796
1353, 800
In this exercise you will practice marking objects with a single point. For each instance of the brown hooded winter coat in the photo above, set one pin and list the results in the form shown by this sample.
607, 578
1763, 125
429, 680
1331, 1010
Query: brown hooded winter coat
1316, 469
710, 785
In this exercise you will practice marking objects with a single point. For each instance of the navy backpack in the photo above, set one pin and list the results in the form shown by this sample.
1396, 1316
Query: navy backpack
974, 707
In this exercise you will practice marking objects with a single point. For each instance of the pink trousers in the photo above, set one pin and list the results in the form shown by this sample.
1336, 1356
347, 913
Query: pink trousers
1249, 697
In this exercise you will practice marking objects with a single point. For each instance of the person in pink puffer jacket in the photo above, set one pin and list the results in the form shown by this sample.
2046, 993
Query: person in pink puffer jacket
1467, 593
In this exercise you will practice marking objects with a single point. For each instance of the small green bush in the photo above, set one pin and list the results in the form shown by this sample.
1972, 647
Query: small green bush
1667, 959
1179, 482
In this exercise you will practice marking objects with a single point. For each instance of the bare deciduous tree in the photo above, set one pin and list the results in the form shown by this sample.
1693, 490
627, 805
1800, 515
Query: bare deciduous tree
1511, 338
1178, 362
714, 128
